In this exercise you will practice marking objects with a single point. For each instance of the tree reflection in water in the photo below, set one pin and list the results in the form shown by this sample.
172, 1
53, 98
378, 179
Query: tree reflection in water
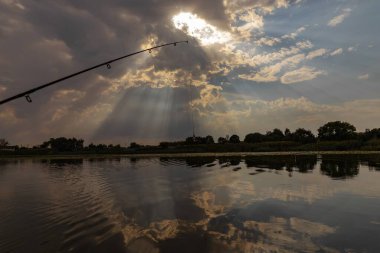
300, 163
339, 168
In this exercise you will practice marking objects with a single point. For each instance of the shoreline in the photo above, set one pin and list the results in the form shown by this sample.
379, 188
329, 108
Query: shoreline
184, 155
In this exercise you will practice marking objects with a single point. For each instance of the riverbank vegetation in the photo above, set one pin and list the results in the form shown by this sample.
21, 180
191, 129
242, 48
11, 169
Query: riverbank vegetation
333, 136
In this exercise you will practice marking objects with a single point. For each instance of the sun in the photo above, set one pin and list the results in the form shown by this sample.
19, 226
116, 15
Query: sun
198, 28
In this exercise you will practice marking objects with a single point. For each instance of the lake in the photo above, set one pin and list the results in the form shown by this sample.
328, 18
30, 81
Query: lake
207, 204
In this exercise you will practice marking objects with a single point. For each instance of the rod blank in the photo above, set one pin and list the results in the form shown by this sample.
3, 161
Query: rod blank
27, 93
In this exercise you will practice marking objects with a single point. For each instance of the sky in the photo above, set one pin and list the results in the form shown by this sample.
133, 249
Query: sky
250, 66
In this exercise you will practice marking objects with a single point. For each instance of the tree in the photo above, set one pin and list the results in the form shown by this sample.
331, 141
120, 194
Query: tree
254, 138
3, 143
302, 135
45, 144
337, 131
63, 144
275, 135
101, 147
234, 139
222, 140
164, 144
134, 145
209, 139
199, 140
190, 140
370, 134
287, 134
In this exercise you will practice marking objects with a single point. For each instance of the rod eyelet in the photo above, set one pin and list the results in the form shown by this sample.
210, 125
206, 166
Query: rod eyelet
28, 98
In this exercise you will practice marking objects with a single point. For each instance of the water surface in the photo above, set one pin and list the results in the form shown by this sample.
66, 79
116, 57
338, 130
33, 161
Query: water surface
226, 204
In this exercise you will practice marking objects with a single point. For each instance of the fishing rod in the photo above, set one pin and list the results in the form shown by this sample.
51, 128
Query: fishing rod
27, 93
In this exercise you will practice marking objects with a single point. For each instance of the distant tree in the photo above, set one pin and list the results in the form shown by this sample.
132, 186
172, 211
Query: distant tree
190, 140
375, 133
45, 144
287, 134
370, 134
234, 139
302, 135
199, 140
275, 135
209, 139
3, 143
134, 145
101, 147
254, 138
222, 140
337, 131
63, 144
164, 144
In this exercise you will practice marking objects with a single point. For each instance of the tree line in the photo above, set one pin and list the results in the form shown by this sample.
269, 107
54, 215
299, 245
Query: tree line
331, 131
330, 136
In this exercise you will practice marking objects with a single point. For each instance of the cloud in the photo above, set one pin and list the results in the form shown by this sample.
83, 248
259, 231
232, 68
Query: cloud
99, 32
209, 94
238, 6
247, 17
14, 4
316, 53
67, 95
340, 18
269, 73
363, 77
337, 52
261, 59
294, 34
150, 85
246, 114
8, 117
267, 41
2, 88
251, 22
301, 75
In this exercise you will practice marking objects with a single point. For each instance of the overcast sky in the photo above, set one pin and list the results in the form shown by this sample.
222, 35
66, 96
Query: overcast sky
251, 65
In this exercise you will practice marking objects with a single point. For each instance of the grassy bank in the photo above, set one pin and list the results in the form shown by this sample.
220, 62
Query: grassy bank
226, 149
208, 154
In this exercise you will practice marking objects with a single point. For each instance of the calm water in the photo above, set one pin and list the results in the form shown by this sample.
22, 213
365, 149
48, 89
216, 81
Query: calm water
240, 204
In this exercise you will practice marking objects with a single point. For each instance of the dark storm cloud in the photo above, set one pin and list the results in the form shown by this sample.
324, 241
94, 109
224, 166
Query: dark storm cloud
44, 40
92, 31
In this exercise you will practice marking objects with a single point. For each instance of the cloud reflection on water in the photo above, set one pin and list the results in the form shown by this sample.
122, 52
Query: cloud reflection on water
196, 205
